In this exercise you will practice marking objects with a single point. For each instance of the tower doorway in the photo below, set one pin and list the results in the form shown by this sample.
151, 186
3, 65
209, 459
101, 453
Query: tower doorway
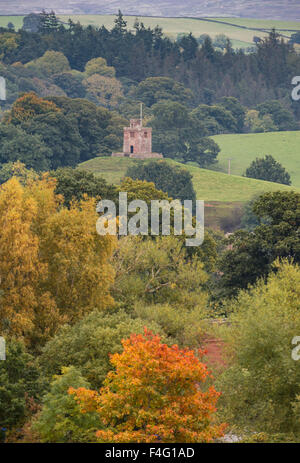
131, 149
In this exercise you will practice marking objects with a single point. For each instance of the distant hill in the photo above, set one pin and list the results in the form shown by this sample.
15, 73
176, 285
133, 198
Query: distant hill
260, 9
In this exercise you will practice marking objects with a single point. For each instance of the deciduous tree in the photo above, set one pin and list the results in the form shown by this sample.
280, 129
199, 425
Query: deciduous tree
269, 169
261, 382
154, 395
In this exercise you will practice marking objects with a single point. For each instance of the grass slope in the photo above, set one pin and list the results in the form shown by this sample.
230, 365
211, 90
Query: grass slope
172, 26
209, 185
244, 148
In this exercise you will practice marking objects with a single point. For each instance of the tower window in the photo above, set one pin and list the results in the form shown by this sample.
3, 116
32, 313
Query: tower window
131, 134
145, 134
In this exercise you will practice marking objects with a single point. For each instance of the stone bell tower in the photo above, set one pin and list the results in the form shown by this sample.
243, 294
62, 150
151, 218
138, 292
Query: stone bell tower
137, 142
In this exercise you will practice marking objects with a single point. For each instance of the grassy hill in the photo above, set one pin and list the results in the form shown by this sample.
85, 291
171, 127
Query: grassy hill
224, 195
209, 185
243, 149
240, 30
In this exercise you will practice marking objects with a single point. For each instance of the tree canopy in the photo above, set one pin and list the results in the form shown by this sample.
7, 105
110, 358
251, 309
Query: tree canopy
269, 169
154, 390
174, 180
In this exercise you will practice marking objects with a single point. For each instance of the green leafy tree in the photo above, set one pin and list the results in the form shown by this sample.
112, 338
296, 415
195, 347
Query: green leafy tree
71, 84
170, 115
252, 253
75, 183
88, 344
99, 66
207, 49
52, 62
59, 133
220, 41
8, 44
17, 145
259, 124
20, 384
185, 327
282, 117
103, 90
100, 130
180, 135
261, 384
10, 26
175, 181
226, 121
157, 271
154, 89
60, 420
73, 129
237, 110
141, 189
202, 37
204, 151
268, 169
272, 54
249, 219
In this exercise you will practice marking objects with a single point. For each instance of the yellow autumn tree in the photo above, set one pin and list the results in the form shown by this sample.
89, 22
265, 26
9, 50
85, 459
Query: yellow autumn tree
28, 106
53, 265
99, 66
22, 300
52, 62
80, 275
8, 43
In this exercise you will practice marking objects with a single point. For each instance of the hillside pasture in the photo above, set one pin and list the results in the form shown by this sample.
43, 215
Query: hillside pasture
209, 185
245, 148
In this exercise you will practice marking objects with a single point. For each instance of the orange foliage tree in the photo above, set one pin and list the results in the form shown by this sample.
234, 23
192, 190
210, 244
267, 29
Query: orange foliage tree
155, 394
28, 106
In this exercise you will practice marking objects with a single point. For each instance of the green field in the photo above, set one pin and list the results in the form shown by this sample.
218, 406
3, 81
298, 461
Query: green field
172, 26
209, 185
16, 20
243, 149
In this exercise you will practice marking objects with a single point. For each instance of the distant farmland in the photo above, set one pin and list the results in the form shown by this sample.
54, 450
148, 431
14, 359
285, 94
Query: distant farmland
240, 36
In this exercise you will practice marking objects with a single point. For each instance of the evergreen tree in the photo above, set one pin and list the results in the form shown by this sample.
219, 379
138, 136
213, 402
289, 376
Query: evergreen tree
189, 45
49, 22
120, 24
